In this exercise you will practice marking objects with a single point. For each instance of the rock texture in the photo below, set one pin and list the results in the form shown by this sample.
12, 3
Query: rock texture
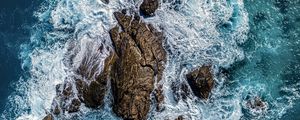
134, 66
148, 7
48, 117
201, 81
93, 94
140, 62
257, 104
179, 118
180, 91
91, 88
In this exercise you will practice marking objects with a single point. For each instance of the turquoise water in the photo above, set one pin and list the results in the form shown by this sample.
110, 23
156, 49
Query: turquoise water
254, 43
271, 68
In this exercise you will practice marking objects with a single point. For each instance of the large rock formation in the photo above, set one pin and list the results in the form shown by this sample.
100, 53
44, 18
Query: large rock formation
134, 67
140, 62
148, 7
201, 81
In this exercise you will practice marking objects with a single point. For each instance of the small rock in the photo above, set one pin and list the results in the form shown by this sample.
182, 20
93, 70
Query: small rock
201, 81
179, 118
105, 1
75, 105
148, 7
48, 117
257, 104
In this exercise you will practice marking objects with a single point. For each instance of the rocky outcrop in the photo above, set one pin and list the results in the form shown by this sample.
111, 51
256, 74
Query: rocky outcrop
201, 81
140, 62
134, 66
148, 7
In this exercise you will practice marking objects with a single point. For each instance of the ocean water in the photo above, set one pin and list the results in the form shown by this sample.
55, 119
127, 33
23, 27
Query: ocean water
16, 19
253, 46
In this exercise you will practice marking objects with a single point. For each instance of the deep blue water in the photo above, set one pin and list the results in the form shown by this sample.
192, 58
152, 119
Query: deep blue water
16, 19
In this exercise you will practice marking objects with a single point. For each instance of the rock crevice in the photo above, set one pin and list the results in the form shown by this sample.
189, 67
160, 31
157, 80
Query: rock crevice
140, 61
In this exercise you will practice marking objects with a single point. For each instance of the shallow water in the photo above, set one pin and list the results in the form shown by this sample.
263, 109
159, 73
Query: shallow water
254, 44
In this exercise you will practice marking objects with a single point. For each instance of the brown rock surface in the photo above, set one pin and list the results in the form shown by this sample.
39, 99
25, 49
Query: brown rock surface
201, 81
179, 118
159, 98
93, 94
140, 61
48, 117
91, 91
148, 7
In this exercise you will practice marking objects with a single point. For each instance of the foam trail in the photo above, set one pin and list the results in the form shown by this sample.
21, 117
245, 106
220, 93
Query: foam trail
204, 32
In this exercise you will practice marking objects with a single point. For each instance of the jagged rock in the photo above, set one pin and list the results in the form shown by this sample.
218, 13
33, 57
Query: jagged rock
148, 7
201, 81
159, 98
257, 104
91, 91
93, 94
179, 118
74, 107
48, 117
140, 61
56, 110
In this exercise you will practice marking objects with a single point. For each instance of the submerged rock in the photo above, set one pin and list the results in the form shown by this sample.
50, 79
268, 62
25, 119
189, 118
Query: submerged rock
105, 1
257, 104
201, 81
180, 91
148, 7
140, 62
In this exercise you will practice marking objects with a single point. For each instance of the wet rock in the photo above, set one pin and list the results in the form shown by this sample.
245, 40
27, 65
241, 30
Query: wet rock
257, 104
75, 105
93, 94
56, 110
159, 97
91, 91
48, 117
105, 1
148, 7
201, 81
140, 61
179, 118
180, 91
